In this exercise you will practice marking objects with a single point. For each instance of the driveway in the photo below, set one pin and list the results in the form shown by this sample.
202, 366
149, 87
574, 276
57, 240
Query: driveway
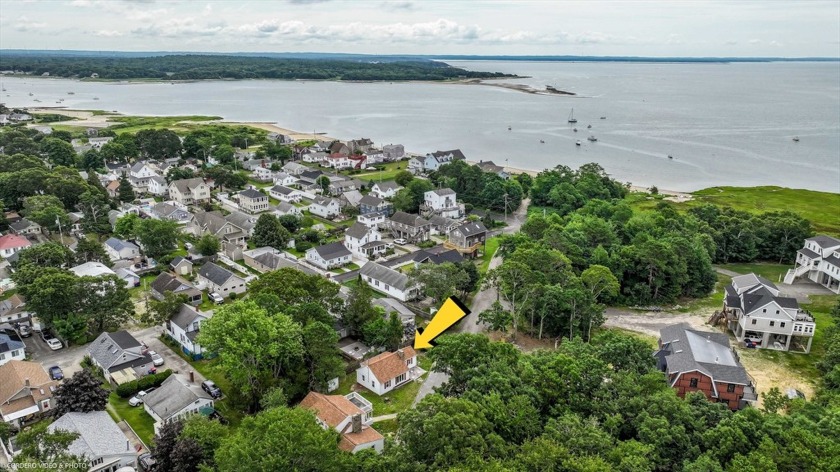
171, 359
68, 358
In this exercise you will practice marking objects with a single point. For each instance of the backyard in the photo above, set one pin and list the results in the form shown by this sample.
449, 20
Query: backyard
135, 416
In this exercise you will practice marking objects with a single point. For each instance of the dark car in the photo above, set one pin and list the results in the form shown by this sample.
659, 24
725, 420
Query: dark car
145, 462
56, 373
210, 387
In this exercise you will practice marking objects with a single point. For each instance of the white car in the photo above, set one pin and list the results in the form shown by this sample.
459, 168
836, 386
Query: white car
137, 398
54, 344
217, 299
400, 241
156, 358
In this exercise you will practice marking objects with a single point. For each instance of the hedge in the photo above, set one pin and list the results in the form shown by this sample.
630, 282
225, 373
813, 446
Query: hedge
153, 380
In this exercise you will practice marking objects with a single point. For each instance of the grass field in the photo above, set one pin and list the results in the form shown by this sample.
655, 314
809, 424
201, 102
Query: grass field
391, 170
772, 272
394, 401
490, 247
386, 427
136, 416
713, 301
133, 124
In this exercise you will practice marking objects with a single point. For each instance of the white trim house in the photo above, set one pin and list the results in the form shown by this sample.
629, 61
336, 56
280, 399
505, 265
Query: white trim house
388, 281
388, 371
819, 261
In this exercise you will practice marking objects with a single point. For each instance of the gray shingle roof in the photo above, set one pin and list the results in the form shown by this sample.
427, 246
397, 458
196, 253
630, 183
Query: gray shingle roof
385, 275
808, 253
243, 220
252, 194
444, 191
185, 185
119, 244
387, 185
215, 273
332, 251
456, 154
408, 219
186, 316
471, 228
22, 224
99, 436
7, 344
833, 260
687, 350
749, 280
371, 201
174, 394
825, 241
169, 283
282, 190
109, 349
357, 231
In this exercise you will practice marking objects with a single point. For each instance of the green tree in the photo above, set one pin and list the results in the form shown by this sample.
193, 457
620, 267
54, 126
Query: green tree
105, 302
39, 448
439, 281
358, 311
224, 154
126, 226
324, 182
515, 282
255, 348
269, 232
600, 282
403, 177
81, 393
281, 439
409, 198
207, 433
89, 249
322, 359
158, 237
49, 254
94, 206
496, 318
161, 311
53, 294
295, 288
164, 443
125, 192
59, 152
158, 143
208, 245
47, 211
383, 333
292, 223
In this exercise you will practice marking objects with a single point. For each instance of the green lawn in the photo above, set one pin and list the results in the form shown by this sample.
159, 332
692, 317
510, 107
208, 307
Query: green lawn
136, 416
710, 303
391, 170
387, 427
490, 247
133, 124
145, 282
772, 272
394, 401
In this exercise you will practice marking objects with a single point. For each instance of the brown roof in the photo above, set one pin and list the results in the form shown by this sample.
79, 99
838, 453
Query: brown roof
14, 374
388, 365
113, 185
350, 440
331, 409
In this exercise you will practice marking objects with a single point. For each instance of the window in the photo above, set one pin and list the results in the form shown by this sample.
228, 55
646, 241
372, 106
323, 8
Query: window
2, 356
772, 323
372, 383
363, 378
730, 388
693, 383
782, 324
764, 310
388, 384
777, 312
753, 321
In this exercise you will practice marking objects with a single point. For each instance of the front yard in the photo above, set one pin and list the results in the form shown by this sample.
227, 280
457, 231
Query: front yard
395, 401
135, 416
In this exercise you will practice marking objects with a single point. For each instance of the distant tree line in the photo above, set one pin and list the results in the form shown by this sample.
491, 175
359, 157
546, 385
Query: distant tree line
195, 67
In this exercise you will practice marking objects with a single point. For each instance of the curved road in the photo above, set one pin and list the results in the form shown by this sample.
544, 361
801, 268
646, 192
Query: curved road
483, 300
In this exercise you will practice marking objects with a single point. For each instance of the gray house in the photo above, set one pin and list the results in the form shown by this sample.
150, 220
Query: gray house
220, 280
329, 256
119, 351
410, 227
467, 237
176, 398
170, 283
100, 440
372, 204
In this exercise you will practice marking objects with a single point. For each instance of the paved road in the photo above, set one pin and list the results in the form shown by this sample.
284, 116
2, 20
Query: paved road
483, 300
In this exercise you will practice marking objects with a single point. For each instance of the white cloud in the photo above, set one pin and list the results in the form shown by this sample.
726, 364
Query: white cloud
108, 33
24, 24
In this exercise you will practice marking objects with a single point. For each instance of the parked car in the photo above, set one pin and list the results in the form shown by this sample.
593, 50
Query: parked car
156, 358
145, 462
137, 399
25, 331
54, 343
400, 241
210, 387
56, 373
793, 393
217, 299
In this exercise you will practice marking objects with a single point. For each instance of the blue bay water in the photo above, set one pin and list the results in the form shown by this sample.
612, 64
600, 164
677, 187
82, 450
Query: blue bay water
724, 124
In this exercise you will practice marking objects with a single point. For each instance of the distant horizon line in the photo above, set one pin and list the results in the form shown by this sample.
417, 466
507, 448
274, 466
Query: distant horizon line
510, 57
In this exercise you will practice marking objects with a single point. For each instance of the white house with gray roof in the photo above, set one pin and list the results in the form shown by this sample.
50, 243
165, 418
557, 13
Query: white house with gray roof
158, 186
285, 193
101, 442
386, 189
819, 261
759, 316
184, 327
113, 352
189, 191
325, 207
220, 280
329, 256
363, 242
10, 348
176, 397
388, 281
120, 249
441, 202
253, 201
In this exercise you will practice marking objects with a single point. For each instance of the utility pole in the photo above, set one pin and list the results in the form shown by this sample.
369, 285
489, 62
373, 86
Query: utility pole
60, 234
506, 196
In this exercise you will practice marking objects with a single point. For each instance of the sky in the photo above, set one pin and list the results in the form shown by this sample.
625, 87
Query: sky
747, 28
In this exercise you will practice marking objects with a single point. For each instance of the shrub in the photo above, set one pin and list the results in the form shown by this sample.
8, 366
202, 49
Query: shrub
153, 380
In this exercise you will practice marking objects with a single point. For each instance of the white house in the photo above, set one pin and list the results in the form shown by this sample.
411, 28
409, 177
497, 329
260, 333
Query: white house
349, 415
373, 220
119, 351
263, 174
101, 442
176, 397
434, 160
363, 242
98, 269
294, 168
329, 256
385, 190
415, 165
10, 349
283, 178
388, 281
139, 176
158, 186
314, 157
324, 207
184, 328
388, 371
253, 201
393, 152
119, 249
819, 260
189, 191
12, 243
220, 280
759, 316
284, 208
13, 309
285, 194
442, 202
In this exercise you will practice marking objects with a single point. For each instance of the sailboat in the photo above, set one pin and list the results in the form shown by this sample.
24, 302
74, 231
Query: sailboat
592, 138
572, 116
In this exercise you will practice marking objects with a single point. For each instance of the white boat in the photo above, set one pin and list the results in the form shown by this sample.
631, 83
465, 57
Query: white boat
577, 143
96, 98
796, 139
592, 138
572, 116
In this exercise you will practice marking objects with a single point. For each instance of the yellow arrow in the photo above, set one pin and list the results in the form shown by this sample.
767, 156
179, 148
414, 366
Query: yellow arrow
449, 314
